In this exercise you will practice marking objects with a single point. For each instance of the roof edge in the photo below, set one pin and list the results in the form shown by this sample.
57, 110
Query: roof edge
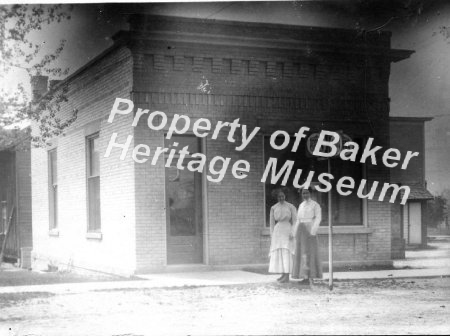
118, 42
144, 18
412, 119
400, 54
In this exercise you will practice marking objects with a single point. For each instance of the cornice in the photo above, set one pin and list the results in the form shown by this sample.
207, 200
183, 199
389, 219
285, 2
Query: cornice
247, 35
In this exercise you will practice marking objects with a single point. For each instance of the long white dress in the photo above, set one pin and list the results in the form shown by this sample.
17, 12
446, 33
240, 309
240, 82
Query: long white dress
282, 218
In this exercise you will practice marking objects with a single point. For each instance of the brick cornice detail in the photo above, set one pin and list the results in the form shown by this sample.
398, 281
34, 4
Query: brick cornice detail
350, 108
267, 68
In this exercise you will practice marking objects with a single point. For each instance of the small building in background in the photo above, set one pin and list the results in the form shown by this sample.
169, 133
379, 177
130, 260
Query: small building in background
409, 221
15, 198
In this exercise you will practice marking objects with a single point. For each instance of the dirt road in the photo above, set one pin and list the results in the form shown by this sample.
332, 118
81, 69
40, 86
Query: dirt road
410, 306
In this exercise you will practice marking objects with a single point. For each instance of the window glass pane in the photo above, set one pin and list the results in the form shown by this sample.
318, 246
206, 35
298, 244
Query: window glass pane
54, 207
53, 167
94, 203
53, 189
182, 202
94, 157
191, 141
347, 210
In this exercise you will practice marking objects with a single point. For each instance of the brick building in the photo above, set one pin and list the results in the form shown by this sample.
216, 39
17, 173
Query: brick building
124, 217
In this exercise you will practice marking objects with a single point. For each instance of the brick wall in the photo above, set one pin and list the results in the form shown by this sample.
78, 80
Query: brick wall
150, 204
92, 92
398, 243
23, 177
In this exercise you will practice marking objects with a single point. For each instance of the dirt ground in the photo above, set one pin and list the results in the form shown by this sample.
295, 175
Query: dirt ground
13, 276
410, 306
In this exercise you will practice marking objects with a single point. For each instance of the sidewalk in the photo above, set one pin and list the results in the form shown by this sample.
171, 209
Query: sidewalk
427, 263
212, 278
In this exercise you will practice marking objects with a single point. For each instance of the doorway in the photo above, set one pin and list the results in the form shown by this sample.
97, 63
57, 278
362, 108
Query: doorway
184, 205
415, 223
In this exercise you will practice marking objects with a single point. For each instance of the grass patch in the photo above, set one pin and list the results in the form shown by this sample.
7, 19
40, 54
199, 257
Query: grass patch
12, 299
20, 277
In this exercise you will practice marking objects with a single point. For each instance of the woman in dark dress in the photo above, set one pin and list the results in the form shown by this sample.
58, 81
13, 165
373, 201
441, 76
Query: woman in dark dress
307, 264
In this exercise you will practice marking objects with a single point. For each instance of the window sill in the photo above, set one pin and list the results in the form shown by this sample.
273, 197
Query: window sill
53, 233
265, 232
345, 230
323, 230
94, 235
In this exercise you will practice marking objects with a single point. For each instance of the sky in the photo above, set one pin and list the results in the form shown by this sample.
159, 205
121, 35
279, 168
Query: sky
91, 26
419, 86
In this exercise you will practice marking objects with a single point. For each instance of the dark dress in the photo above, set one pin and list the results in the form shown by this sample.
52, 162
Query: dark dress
307, 263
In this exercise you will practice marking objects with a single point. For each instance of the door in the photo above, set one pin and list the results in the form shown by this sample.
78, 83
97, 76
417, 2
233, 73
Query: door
415, 223
184, 209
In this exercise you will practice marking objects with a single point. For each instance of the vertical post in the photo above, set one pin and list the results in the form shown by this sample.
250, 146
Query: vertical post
3, 216
7, 230
330, 236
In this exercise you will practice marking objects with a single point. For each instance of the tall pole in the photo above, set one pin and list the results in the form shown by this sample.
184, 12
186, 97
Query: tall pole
330, 236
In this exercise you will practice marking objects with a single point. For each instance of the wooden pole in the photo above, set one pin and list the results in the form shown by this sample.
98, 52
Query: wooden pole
330, 236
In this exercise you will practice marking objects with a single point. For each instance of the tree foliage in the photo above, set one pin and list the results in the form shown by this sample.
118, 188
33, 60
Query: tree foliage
437, 210
19, 50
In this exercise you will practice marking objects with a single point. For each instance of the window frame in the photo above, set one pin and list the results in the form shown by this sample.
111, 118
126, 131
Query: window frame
91, 229
52, 154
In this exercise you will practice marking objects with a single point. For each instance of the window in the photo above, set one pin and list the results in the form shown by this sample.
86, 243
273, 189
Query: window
93, 183
346, 210
53, 188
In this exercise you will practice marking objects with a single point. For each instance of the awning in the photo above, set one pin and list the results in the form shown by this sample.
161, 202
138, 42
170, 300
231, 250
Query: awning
418, 192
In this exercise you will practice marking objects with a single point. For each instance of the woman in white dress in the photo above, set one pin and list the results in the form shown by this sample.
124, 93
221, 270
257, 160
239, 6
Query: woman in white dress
282, 218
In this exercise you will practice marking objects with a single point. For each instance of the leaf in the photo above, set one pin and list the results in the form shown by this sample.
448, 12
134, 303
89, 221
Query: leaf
18, 52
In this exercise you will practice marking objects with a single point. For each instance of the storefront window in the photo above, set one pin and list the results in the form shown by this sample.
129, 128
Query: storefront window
346, 210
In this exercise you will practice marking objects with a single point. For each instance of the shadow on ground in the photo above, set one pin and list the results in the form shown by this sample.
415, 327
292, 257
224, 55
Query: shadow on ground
13, 276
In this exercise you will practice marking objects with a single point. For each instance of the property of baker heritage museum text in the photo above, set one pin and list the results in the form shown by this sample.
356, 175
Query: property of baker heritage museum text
323, 145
